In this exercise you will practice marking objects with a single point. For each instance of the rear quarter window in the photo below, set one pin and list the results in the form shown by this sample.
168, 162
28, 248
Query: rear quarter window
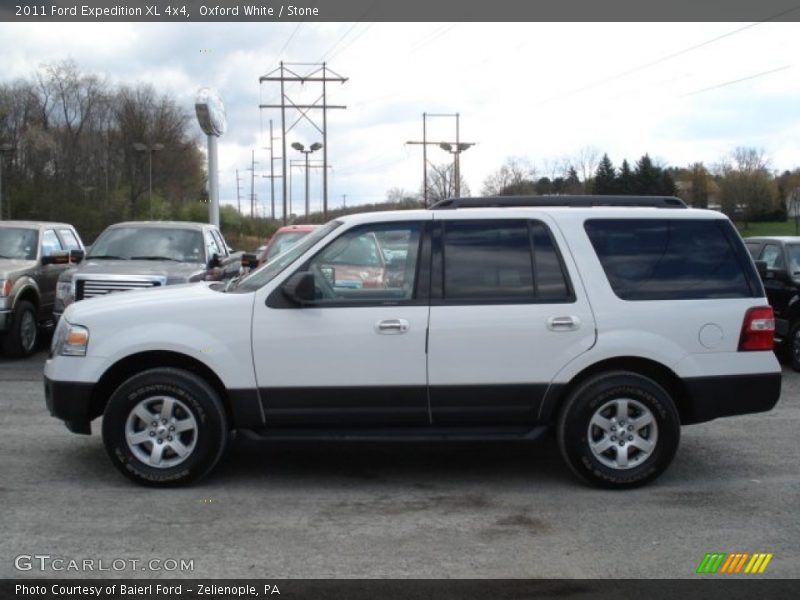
664, 259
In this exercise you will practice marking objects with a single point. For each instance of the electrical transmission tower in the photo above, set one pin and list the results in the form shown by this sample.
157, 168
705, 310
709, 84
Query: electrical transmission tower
315, 73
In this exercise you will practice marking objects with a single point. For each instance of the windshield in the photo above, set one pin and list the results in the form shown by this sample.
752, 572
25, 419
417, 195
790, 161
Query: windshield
270, 269
284, 241
161, 243
19, 243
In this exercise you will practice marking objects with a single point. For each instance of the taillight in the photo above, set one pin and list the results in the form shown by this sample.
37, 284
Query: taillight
758, 329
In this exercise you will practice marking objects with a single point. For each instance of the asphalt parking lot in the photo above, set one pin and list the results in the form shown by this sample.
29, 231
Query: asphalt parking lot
402, 510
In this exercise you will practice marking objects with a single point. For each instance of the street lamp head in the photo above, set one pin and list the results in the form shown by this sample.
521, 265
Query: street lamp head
157, 147
6, 147
446, 147
464, 146
139, 147
298, 146
315, 146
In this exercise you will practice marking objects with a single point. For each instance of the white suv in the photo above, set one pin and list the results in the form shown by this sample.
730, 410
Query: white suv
614, 320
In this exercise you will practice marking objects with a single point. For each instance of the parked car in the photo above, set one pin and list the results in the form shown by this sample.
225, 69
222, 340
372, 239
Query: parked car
148, 254
781, 257
283, 239
614, 321
32, 256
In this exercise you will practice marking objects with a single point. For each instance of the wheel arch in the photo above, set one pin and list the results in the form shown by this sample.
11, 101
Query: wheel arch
658, 372
133, 364
29, 293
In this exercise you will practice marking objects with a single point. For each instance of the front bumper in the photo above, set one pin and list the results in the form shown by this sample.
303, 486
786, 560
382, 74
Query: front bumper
728, 395
71, 402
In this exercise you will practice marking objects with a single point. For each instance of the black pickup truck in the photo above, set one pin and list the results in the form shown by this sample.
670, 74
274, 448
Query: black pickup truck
781, 256
146, 254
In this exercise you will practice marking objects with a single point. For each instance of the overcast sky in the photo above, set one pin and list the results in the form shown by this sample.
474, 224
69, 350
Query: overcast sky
540, 91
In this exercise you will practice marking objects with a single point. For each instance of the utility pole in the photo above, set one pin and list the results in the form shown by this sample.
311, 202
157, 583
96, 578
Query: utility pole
311, 73
447, 146
238, 196
344, 201
252, 169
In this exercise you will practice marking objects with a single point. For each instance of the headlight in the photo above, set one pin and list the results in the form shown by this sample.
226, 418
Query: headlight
5, 287
64, 290
69, 339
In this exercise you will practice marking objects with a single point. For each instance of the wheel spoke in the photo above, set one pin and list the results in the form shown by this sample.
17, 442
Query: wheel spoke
139, 437
602, 445
642, 444
622, 456
601, 422
622, 410
184, 425
166, 407
179, 448
155, 454
144, 414
641, 422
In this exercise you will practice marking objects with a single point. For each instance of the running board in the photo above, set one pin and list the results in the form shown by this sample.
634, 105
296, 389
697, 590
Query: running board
421, 434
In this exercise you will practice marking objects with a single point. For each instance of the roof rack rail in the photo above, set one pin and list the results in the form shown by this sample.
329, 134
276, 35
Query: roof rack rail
576, 201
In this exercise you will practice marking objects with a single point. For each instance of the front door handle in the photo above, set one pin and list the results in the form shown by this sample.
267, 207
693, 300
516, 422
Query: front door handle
565, 323
392, 326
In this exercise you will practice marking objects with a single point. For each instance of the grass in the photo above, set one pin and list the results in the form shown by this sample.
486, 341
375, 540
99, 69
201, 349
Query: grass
768, 228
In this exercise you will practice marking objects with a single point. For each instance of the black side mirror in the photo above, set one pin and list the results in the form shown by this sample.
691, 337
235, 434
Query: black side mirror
76, 256
300, 288
213, 262
249, 261
761, 267
60, 257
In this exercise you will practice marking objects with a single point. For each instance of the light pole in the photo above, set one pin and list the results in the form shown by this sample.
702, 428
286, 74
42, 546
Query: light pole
456, 151
140, 147
5, 147
312, 148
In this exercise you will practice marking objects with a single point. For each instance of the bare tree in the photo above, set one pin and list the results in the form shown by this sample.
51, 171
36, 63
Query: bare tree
514, 173
441, 183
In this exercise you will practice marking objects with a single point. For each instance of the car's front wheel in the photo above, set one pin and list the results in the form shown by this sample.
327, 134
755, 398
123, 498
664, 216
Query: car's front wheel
20, 340
165, 427
619, 430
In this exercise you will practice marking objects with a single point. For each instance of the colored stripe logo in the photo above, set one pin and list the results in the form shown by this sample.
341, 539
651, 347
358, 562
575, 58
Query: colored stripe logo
734, 563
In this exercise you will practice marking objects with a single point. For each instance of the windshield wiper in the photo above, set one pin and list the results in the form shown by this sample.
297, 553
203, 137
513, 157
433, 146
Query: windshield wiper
106, 256
155, 258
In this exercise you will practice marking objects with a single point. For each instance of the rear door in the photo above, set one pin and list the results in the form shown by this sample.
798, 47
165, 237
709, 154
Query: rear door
505, 318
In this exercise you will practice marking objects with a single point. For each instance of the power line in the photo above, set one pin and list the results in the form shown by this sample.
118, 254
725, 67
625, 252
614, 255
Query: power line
733, 81
664, 58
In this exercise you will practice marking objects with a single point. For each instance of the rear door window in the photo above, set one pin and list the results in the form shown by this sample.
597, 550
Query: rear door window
666, 259
69, 240
50, 243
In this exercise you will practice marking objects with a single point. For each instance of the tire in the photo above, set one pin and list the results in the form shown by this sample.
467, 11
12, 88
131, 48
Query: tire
594, 408
176, 456
793, 346
20, 340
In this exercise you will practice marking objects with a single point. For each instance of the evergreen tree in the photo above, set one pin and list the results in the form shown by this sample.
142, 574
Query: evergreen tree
648, 177
605, 177
627, 181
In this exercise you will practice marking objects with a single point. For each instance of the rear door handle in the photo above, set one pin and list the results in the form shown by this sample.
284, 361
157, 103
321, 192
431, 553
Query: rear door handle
392, 326
565, 323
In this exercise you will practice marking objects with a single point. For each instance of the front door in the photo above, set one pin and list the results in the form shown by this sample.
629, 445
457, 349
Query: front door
356, 356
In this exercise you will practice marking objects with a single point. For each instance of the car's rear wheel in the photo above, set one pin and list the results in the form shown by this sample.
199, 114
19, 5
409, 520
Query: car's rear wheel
619, 430
20, 340
793, 345
165, 427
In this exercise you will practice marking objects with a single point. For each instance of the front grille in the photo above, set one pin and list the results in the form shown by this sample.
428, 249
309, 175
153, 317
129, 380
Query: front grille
89, 288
